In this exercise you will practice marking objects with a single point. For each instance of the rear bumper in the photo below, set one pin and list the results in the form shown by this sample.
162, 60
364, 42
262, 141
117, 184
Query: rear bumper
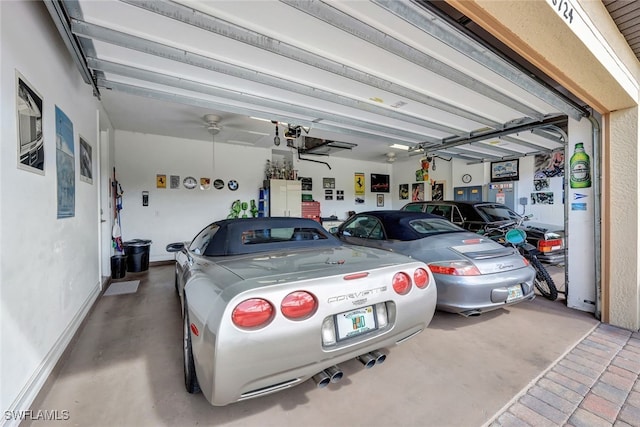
556, 257
478, 294
254, 364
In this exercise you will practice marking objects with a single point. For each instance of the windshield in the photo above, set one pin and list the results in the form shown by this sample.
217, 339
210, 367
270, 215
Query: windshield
429, 226
498, 213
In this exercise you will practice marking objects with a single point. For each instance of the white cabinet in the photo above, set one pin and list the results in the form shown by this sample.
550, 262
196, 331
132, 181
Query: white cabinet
285, 198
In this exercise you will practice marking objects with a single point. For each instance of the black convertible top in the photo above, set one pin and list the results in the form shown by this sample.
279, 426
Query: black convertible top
252, 235
397, 223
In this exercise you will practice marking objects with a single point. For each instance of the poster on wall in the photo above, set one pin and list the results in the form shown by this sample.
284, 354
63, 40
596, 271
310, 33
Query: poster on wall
507, 170
161, 181
86, 161
66, 166
306, 183
417, 192
29, 120
358, 182
542, 198
328, 183
548, 165
437, 190
174, 182
404, 191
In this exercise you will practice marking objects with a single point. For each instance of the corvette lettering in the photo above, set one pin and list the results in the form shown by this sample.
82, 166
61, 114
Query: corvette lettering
362, 295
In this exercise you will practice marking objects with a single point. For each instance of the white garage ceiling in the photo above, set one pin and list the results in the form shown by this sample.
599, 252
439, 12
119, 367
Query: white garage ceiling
372, 73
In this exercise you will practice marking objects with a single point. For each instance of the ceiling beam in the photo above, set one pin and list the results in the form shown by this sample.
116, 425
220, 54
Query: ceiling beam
85, 29
419, 16
357, 28
242, 110
235, 32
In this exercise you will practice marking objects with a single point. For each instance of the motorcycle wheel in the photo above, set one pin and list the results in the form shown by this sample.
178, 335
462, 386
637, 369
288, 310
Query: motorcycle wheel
543, 281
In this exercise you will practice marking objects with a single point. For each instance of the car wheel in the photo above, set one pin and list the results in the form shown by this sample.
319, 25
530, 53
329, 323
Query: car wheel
190, 379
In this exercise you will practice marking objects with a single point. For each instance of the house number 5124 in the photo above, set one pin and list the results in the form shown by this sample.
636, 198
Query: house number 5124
564, 9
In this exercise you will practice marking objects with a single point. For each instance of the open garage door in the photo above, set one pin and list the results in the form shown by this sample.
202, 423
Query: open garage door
350, 78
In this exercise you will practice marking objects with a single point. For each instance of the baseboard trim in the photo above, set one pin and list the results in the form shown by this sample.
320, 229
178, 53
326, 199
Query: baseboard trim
32, 388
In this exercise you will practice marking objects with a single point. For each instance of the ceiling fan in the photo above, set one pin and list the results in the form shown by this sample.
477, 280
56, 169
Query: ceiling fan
212, 123
391, 157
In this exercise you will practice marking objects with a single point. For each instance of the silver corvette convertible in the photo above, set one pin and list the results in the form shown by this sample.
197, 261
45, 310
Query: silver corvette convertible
269, 303
473, 273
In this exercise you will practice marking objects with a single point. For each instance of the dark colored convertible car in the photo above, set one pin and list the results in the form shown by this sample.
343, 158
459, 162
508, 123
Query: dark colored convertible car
473, 216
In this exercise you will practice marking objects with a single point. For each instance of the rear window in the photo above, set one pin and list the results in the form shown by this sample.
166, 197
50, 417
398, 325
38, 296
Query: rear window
274, 235
412, 208
428, 226
498, 213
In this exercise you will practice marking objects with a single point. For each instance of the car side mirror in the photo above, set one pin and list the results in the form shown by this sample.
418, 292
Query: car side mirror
334, 230
175, 247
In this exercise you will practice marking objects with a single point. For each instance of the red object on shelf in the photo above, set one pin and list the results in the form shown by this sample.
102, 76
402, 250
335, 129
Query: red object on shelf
311, 210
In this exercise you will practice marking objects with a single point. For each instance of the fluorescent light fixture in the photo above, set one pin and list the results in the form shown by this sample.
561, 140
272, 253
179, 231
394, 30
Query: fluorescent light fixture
261, 119
400, 147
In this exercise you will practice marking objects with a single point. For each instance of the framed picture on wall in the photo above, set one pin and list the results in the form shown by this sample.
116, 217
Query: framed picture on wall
507, 170
404, 191
417, 192
30, 132
380, 200
379, 183
86, 161
437, 190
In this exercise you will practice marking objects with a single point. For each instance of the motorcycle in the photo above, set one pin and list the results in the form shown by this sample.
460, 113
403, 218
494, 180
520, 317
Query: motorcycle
509, 234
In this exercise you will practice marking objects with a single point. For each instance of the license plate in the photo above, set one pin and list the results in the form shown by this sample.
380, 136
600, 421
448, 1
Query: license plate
515, 292
355, 322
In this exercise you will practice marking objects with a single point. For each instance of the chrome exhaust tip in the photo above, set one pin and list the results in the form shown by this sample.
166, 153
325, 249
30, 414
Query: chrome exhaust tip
471, 313
379, 356
367, 360
335, 374
321, 379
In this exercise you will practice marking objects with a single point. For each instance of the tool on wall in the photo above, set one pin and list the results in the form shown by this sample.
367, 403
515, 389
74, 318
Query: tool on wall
116, 233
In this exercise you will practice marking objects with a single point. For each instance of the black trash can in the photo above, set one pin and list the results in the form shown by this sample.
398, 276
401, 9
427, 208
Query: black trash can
137, 252
118, 266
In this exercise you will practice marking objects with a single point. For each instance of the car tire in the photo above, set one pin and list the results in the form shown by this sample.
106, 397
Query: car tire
190, 378
543, 281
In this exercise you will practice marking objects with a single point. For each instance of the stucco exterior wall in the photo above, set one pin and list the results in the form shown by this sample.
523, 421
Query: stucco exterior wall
622, 281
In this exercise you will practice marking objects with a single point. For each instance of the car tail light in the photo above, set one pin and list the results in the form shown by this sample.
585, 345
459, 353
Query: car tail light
298, 305
421, 278
549, 245
252, 313
401, 283
455, 268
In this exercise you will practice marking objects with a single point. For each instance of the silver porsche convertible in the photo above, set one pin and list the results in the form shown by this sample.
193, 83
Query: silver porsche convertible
269, 303
473, 273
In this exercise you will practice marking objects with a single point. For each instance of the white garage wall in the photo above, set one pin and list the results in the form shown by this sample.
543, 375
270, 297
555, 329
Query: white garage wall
178, 214
48, 267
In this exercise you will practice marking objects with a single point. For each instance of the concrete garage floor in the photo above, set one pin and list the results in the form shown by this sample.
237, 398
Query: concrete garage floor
125, 369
